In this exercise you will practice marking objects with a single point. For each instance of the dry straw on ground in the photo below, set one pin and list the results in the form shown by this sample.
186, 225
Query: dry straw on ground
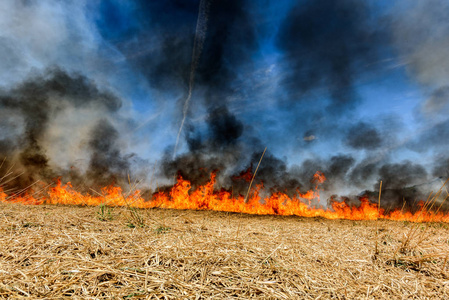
56, 252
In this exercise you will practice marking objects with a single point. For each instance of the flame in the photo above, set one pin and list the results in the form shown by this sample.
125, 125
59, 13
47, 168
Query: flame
205, 197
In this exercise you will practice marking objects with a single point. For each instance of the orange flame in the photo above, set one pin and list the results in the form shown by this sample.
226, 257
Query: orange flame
206, 197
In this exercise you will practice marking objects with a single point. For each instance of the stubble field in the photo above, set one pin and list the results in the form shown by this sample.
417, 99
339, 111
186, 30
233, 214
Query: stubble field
56, 252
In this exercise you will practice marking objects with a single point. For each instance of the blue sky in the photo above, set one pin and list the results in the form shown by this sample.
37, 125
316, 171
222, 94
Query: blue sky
309, 80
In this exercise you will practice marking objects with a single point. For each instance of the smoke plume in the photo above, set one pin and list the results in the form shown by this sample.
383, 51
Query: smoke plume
33, 130
95, 92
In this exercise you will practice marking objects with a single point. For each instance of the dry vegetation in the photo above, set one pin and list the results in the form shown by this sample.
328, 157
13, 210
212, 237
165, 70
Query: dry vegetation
55, 252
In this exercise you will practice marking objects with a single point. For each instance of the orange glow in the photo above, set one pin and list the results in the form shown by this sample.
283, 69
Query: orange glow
2, 195
181, 196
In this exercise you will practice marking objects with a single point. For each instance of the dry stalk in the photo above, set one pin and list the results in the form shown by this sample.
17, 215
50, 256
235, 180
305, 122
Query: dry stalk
376, 250
255, 172
136, 219
415, 238
22, 191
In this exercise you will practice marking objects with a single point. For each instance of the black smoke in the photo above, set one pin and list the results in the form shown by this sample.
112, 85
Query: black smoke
323, 50
221, 144
158, 43
441, 168
33, 105
107, 164
400, 175
219, 148
225, 128
273, 173
230, 43
362, 173
402, 184
434, 138
363, 136
328, 44
334, 168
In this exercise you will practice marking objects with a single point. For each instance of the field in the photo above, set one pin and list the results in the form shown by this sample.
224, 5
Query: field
55, 252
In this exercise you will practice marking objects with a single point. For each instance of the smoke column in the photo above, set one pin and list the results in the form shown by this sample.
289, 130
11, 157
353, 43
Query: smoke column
200, 36
358, 90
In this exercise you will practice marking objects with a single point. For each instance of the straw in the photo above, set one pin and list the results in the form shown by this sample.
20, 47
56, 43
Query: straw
55, 252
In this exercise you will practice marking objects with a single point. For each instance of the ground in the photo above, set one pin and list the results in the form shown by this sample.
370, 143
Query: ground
56, 252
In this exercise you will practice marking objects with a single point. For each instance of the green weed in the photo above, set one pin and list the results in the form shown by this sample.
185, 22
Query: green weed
162, 229
104, 212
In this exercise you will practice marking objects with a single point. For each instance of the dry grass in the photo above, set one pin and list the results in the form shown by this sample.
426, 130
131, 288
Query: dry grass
55, 252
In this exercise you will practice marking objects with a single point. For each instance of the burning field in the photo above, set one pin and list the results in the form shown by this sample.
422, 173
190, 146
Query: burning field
224, 149
207, 197
204, 242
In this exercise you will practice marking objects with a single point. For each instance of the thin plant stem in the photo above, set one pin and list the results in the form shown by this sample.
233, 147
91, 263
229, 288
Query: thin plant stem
255, 172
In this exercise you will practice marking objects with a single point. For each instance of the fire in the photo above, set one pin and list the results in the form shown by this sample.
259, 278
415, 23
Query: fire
205, 197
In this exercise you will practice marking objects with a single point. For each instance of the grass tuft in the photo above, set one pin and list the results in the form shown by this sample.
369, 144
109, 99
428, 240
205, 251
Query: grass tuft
104, 212
162, 229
